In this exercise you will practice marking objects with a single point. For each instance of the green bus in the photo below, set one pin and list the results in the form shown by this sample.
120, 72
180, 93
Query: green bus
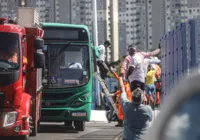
67, 93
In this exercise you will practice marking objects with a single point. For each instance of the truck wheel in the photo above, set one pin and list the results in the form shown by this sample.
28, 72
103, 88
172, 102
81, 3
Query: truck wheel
25, 137
35, 129
79, 125
38, 126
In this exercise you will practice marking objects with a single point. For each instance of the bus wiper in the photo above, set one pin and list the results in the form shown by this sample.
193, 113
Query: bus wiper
62, 50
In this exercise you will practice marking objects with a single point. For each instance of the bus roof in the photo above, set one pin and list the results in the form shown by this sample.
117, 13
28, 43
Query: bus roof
45, 24
75, 33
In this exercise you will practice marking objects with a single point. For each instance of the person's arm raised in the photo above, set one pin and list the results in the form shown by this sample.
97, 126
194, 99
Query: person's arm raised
121, 84
123, 98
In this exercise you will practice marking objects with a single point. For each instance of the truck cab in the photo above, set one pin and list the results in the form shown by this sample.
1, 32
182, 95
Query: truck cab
21, 65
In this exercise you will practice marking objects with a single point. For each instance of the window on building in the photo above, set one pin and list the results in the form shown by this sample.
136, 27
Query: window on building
167, 6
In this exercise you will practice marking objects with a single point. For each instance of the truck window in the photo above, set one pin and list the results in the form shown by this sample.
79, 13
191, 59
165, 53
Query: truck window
9, 50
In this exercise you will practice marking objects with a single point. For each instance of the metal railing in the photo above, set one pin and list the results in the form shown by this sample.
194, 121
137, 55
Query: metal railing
180, 53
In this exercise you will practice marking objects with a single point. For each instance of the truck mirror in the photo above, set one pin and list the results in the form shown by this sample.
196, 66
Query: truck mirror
38, 43
39, 60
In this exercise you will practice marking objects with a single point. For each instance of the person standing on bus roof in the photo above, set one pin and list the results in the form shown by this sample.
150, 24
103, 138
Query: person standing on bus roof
101, 60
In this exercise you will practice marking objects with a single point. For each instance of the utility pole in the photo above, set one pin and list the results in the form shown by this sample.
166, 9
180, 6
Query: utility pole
114, 30
95, 34
95, 25
147, 25
55, 6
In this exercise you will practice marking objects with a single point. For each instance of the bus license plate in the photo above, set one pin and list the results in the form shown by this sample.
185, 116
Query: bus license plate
80, 114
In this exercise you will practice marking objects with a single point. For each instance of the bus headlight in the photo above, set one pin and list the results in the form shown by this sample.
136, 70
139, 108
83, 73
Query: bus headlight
9, 119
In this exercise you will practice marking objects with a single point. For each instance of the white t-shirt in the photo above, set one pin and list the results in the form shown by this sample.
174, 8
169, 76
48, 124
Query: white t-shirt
137, 61
148, 62
75, 66
102, 53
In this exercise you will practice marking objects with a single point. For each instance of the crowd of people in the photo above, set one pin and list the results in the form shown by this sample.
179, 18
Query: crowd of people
142, 75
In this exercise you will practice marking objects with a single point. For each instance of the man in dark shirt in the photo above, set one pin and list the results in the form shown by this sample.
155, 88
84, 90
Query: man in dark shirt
136, 115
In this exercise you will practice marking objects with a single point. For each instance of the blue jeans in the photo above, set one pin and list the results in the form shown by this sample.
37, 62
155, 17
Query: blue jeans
151, 90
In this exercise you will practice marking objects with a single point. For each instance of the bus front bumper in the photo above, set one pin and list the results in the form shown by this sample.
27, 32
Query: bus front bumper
66, 114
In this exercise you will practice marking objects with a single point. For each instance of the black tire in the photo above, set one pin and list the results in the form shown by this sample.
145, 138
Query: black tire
79, 125
34, 131
25, 137
38, 126
108, 117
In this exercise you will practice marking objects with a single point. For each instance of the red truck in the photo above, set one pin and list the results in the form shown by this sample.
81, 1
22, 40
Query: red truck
21, 68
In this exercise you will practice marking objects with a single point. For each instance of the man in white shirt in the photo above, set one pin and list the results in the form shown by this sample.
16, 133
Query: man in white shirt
101, 60
136, 72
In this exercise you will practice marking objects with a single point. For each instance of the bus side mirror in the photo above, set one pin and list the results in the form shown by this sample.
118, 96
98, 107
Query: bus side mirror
39, 60
38, 43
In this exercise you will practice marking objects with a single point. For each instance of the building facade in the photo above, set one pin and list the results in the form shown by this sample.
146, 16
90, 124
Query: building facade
139, 22
143, 22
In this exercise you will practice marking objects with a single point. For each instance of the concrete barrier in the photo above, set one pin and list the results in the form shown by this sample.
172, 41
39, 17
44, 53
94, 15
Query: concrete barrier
100, 115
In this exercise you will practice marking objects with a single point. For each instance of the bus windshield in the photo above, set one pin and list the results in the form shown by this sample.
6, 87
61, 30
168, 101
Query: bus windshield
9, 50
67, 66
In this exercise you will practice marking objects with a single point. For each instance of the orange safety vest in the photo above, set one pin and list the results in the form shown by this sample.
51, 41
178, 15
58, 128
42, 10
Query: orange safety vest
158, 71
118, 105
158, 84
157, 75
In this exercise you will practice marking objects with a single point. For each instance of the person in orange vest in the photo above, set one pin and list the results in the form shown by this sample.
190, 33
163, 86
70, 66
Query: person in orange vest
158, 83
118, 105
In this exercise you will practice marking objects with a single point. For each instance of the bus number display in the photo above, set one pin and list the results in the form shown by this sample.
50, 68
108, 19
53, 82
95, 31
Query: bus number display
65, 34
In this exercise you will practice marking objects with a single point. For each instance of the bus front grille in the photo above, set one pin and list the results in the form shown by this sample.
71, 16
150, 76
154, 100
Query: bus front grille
56, 96
51, 112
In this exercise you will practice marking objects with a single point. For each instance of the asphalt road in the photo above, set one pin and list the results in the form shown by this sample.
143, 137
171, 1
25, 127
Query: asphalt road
94, 131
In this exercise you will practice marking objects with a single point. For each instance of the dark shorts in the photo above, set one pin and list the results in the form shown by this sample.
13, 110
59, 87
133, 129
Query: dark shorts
137, 84
103, 69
